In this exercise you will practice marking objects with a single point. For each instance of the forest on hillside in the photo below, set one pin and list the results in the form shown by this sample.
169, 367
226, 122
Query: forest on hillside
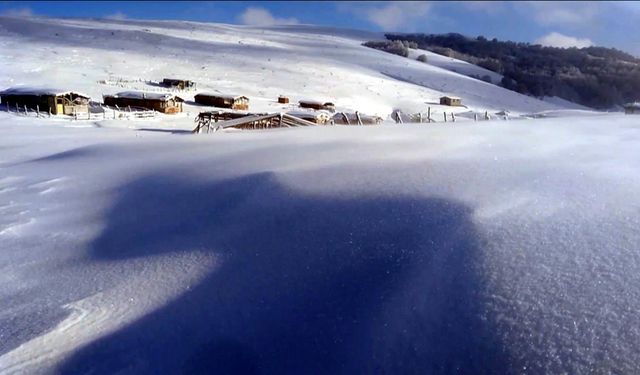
597, 77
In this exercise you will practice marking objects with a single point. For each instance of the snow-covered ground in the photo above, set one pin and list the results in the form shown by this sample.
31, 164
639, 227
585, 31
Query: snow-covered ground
474, 247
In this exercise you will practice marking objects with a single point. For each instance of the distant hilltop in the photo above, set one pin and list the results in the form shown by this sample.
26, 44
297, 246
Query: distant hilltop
597, 77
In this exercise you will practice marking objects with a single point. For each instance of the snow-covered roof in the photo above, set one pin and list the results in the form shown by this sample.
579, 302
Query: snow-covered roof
315, 102
635, 105
145, 95
452, 97
224, 96
38, 91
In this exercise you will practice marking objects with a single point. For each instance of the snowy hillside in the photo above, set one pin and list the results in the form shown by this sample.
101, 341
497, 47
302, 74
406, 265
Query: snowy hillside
306, 62
136, 247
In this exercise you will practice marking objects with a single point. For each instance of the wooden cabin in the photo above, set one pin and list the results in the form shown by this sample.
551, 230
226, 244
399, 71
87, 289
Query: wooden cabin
240, 102
181, 84
632, 108
160, 102
453, 101
317, 117
355, 118
54, 101
283, 99
313, 104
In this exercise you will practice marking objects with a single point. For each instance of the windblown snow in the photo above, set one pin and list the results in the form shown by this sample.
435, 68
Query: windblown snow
468, 247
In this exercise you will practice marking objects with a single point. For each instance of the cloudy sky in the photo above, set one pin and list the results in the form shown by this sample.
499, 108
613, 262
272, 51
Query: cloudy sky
561, 24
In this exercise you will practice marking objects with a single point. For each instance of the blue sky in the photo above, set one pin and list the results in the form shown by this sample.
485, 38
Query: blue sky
610, 24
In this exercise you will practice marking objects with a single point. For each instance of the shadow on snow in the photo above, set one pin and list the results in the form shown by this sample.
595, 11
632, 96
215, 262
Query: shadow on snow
307, 284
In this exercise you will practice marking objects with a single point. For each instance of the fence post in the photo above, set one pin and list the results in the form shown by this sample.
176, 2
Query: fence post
25, 110
453, 117
445, 116
486, 115
420, 116
475, 117
429, 115
37, 110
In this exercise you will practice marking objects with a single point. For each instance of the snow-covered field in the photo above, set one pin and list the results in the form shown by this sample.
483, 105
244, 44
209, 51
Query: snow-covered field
474, 247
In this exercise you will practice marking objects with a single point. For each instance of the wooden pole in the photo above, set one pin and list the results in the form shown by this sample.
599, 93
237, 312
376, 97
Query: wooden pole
420, 116
445, 116
453, 117
475, 117
25, 110
358, 117
429, 114
486, 115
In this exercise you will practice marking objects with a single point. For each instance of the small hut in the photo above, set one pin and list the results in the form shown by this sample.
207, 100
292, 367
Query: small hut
317, 117
181, 84
240, 102
283, 99
54, 101
452, 101
632, 108
161, 102
313, 104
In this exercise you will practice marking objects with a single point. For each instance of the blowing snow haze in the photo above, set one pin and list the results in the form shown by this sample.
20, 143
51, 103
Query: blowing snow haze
261, 195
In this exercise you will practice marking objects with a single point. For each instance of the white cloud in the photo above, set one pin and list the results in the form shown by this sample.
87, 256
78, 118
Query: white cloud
390, 15
563, 41
395, 15
261, 17
561, 13
118, 16
18, 12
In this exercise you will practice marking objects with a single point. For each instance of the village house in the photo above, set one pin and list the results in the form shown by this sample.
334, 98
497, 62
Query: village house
54, 101
181, 84
160, 102
327, 106
632, 108
451, 101
239, 102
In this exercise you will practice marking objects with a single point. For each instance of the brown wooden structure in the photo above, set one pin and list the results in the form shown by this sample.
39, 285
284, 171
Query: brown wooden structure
54, 101
356, 118
451, 101
181, 84
206, 123
313, 104
240, 102
283, 99
160, 102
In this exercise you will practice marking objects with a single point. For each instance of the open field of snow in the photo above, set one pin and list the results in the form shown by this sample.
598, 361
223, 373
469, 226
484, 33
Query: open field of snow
136, 247
408, 248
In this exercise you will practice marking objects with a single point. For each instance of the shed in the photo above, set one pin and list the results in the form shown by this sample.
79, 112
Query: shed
314, 104
161, 102
317, 117
453, 101
223, 101
181, 84
632, 108
55, 101
283, 99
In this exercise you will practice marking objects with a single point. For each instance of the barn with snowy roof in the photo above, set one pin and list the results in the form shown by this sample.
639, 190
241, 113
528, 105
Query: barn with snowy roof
240, 102
160, 102
52, 100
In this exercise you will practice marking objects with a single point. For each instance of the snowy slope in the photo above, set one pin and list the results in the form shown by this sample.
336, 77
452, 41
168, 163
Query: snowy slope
491, 246
302, 61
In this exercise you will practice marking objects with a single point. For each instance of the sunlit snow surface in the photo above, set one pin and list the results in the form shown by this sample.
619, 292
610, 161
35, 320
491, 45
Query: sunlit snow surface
494, 247
475, 247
